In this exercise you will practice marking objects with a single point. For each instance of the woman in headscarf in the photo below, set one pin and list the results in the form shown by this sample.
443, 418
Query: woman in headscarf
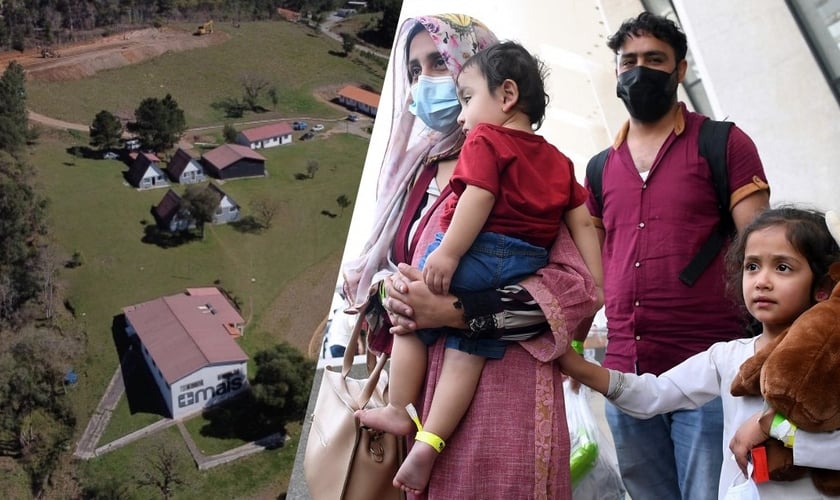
513, 442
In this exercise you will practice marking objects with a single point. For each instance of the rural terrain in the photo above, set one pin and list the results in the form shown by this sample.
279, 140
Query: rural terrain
283, 277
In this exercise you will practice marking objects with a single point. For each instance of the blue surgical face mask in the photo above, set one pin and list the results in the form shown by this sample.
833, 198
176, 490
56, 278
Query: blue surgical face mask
435, 102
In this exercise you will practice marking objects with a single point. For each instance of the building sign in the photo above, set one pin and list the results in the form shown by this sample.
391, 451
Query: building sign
230, 382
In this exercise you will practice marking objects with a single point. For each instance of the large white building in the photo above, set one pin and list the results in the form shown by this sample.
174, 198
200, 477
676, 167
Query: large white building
188, 342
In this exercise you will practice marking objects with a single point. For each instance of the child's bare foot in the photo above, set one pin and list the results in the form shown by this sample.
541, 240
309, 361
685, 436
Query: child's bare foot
413, 475
387, 419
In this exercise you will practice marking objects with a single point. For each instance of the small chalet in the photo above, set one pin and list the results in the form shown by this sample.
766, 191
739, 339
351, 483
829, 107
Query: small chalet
267, 136
359, 99
189, 343
227, 210
168, 214
233, 161
184, 169
145, 172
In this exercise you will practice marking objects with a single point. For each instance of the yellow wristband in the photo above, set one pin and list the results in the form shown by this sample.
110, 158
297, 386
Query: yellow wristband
577, 345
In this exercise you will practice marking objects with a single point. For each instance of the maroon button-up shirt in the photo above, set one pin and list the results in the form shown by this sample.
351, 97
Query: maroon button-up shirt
653, 228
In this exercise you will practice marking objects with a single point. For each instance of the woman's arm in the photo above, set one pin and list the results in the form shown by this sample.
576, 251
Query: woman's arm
509, 313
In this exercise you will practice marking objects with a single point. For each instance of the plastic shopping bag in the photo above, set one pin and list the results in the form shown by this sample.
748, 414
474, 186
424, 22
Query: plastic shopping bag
742, 487
592, 462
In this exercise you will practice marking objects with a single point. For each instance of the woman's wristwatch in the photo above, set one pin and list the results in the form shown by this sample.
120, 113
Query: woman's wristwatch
483, 313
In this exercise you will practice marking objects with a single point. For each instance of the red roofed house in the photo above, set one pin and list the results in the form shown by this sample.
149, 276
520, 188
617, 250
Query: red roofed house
359, 99
188, 342
289, 15
266, 136
232, 161
145, 172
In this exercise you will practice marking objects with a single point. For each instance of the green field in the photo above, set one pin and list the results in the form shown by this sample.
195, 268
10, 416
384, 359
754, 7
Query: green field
290, 56
94, 212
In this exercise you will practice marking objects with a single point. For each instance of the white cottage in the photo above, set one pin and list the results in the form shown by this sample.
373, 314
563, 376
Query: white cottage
266, 136
188, 342
145, 172
184, 169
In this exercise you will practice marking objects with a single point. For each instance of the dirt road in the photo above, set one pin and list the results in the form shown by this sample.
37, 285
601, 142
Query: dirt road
83, 59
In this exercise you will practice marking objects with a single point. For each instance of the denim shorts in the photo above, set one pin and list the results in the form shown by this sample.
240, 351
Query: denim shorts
493, 260
486, 348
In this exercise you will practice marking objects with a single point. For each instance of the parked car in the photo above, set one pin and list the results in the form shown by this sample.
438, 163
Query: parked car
353, 117
110, 155
299, 125
318, 127
307, 136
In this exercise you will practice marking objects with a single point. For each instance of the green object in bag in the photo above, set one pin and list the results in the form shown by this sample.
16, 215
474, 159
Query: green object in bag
582, 459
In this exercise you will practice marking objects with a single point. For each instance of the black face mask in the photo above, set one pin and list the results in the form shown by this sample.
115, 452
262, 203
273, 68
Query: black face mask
647, 93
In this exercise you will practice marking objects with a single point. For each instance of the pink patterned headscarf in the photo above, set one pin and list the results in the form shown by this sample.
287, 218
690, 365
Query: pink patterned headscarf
411, 146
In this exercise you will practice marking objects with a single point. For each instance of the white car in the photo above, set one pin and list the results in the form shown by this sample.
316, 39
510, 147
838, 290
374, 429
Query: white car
318, 127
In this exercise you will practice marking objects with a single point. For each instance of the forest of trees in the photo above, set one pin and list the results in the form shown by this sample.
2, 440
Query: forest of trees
32, 23
36, 422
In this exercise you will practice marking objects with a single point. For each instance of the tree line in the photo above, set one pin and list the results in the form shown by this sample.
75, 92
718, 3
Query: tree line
36, 348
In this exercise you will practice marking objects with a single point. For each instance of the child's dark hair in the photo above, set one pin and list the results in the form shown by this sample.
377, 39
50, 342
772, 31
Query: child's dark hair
806, 231
656, 26
511, 61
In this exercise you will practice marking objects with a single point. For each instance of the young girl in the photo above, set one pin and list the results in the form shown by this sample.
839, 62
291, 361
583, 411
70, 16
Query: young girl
779, 263
514, 190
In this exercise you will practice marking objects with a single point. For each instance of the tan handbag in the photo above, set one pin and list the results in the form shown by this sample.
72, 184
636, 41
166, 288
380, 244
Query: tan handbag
343, 459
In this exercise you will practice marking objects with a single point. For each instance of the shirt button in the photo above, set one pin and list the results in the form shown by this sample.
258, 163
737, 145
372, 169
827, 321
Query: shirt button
644, 186
636, 303
638, 337
637, 264
641, 225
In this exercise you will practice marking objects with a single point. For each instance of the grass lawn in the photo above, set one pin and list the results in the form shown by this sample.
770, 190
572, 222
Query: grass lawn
255, 476
94, 212
292, 57
123, 422
207, 444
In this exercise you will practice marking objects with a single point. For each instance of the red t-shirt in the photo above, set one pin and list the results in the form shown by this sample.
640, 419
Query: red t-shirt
534, 183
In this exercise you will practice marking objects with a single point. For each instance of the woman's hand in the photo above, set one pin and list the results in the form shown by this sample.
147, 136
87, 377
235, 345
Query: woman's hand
751, 434
411, 305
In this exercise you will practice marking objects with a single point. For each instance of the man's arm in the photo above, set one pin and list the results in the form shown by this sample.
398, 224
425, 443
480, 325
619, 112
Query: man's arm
745, 210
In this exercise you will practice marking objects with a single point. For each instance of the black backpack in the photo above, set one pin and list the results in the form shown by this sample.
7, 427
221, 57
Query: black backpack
712, 145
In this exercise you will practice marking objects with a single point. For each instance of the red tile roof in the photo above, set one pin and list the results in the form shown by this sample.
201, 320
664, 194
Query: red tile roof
360, 95
227, 154
186, 332
267, 131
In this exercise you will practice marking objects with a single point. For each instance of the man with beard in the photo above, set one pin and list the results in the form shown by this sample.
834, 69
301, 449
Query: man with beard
656, 208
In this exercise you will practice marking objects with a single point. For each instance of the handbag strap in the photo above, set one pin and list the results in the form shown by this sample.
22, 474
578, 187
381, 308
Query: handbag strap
347, 363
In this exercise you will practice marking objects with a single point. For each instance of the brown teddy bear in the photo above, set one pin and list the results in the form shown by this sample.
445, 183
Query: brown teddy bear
798, 375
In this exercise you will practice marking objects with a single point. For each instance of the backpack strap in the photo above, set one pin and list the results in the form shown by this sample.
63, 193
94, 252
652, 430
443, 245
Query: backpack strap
713, 139
595, 176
